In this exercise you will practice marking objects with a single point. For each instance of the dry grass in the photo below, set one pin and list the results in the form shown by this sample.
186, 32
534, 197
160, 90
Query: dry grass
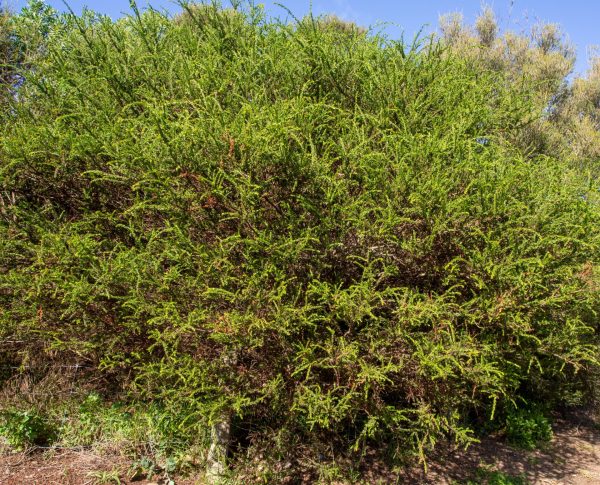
572, 458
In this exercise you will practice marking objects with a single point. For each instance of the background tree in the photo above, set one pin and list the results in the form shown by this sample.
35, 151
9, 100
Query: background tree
566, 120
8, 56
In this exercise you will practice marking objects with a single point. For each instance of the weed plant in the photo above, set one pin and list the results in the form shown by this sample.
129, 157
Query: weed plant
528, 428
22, 429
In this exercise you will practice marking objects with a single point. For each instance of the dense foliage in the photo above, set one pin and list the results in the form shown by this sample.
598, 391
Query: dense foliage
332, 236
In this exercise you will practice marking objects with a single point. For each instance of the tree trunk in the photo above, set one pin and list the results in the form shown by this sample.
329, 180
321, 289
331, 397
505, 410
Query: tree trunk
220, 435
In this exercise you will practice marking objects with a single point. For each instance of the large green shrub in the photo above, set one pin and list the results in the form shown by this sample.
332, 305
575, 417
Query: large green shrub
323, 232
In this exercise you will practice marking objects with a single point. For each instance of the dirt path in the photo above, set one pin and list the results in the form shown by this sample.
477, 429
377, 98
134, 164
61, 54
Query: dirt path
573, 458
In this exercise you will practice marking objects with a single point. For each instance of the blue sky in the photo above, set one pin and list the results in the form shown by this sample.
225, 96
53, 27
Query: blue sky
579, 18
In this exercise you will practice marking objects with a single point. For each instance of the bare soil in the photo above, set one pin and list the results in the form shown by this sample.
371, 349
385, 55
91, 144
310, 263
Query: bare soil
572, 458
